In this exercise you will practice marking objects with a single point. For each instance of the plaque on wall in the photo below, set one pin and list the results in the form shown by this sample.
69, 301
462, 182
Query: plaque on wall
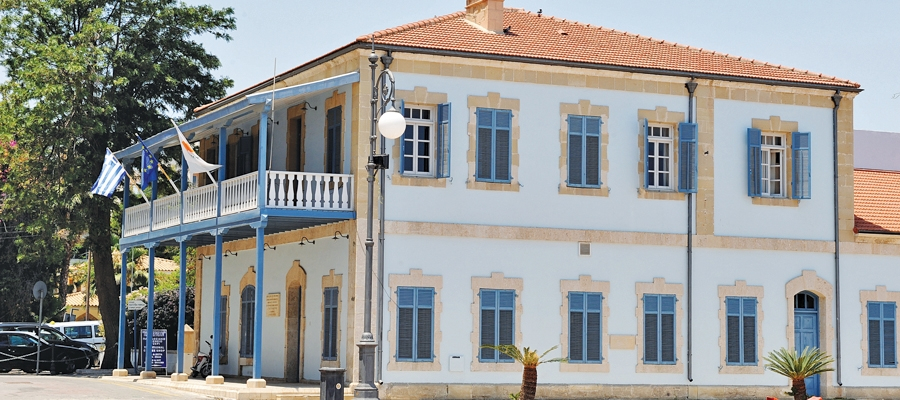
273, 305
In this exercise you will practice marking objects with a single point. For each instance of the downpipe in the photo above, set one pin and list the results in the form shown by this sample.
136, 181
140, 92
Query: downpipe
836, 99
691, 86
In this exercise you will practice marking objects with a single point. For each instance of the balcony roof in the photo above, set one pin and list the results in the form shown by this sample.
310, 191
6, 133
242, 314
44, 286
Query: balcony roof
245, 108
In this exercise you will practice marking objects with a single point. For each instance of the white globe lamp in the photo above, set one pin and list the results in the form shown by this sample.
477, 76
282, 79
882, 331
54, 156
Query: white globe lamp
391, 124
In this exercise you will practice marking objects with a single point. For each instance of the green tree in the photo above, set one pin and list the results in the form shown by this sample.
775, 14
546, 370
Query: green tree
84, 75
530, 360
787, 363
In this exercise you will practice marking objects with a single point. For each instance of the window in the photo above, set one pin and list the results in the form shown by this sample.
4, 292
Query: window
248, 317
659, 329
296, 149
882, 318
223, 329
330, 324
493, 143
585, 319
333, 141
584, 151
659, 157
767, 163
415, 323
426, 143
498, 309
245, 155
740, 315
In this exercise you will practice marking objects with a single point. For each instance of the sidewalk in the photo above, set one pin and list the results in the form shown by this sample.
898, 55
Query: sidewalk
233, 388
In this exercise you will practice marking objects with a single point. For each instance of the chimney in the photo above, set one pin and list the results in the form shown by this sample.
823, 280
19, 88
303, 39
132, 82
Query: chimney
486, 13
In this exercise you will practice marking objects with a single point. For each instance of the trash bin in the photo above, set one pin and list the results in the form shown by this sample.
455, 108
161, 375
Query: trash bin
332, 383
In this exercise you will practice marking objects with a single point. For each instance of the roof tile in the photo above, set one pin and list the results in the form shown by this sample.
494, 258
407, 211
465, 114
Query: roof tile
544, 37
876, 201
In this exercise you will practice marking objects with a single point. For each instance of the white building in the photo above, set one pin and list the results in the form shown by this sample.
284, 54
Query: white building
558, 185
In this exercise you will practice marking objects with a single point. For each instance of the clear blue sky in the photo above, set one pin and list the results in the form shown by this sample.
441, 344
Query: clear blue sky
857, 40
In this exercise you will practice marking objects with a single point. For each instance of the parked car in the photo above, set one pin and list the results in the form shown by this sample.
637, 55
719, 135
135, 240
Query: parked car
19, 350
90, 332
54, 336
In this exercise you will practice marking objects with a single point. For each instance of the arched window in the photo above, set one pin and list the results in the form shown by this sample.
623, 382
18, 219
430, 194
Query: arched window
248, 306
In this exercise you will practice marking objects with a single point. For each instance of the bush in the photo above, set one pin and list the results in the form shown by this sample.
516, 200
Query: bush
165, 310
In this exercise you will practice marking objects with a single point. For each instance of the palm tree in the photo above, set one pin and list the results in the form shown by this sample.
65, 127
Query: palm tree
811, 361
530, 361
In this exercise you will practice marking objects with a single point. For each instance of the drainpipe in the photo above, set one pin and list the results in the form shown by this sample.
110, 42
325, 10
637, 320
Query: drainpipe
386, 60
691, 86
836, 99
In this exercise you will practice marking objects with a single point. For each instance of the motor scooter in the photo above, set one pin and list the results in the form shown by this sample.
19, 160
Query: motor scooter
203, 365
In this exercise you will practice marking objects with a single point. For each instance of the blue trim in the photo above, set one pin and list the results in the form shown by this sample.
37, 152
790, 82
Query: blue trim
217, 309
258, 319
415, 306
740, 310
585, 309
687, 157
497, 307
305, 88
659, 312
151, 298
754, 162
646, 153
801, 158
884, 314
329, 336
493, 127
584, 150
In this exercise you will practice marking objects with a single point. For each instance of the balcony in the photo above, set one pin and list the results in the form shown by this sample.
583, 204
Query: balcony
288, 195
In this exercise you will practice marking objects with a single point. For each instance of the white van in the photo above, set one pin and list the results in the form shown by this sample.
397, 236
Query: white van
89, 332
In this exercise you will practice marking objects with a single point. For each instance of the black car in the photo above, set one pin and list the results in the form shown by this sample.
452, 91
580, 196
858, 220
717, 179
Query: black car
55, 337
19, 350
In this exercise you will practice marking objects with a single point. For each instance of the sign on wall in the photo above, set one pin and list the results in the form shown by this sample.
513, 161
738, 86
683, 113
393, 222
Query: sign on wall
273, 305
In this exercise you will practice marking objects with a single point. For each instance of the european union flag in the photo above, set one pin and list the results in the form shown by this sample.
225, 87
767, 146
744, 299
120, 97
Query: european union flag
149, 169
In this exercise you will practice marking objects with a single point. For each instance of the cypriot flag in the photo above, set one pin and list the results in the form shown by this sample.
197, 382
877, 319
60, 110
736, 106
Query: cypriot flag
196, 165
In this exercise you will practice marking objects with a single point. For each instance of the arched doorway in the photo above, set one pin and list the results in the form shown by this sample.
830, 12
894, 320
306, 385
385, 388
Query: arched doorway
294, 322
806, 331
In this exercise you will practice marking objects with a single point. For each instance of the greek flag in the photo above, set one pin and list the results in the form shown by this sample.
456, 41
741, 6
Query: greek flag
110, 176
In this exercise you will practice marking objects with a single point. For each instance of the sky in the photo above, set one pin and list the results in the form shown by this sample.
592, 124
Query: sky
857, 40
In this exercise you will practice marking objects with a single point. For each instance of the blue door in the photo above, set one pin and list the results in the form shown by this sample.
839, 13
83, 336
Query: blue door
806, 331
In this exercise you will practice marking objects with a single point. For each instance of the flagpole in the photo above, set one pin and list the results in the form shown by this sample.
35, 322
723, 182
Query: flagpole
134, 182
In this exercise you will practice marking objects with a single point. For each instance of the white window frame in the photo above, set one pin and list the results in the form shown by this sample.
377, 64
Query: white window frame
772, 145
652, 160
431, 124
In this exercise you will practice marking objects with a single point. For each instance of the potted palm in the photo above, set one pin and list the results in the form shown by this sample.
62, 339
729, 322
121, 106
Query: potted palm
787, 363
530, 361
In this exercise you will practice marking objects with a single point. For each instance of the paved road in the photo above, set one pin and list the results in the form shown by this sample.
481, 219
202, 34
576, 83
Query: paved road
18, 385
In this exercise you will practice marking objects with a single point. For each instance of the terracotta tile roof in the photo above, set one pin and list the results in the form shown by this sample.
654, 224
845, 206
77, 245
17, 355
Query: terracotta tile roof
876, 201
164, 265
77, 300
539, 36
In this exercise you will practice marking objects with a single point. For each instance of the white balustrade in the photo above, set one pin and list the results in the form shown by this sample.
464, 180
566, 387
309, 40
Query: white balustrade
309, 191
167, 211
240, 194
286, 190
137, 219
200, 203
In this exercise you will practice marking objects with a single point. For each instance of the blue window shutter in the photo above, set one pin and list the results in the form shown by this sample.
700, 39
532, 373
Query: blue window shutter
733, 330
330, 322
889, 311
405, 322
503, 146
424, 323
576, 144
646, 152
651, 329
592, 139
576, 326
406, 134
506, 320
593, 327
687, 157
443, 141
748, 332
874, 320
754, 160
800, 147
667, 329
488, 324
484, 143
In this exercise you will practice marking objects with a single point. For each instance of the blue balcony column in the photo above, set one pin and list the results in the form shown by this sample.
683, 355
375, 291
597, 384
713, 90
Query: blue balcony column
257, 381
182, 282
215, 378
120, 360
148, 372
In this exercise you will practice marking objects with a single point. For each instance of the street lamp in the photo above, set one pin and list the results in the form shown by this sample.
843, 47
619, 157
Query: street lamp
391, 125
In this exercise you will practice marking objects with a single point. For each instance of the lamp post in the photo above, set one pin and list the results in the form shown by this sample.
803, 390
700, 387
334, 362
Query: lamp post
391, 125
